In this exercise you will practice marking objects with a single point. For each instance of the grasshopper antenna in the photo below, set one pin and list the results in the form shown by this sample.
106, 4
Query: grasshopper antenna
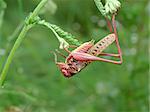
60, 53
55, 56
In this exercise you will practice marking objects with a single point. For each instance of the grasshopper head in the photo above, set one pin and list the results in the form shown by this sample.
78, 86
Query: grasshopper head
65, 69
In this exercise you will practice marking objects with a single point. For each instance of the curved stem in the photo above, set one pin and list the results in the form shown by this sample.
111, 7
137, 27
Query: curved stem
49, 26
19, 40
63, 43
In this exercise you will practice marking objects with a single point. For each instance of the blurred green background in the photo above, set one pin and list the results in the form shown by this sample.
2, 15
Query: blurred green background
34, 83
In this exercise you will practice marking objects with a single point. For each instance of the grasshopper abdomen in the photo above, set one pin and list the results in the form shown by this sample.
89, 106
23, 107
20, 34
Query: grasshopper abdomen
102, 45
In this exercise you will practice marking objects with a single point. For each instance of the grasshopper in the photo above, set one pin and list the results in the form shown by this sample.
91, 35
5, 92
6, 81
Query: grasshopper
86, 53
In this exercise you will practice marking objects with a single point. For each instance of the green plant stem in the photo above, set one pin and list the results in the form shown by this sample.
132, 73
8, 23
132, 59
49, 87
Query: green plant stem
15, 33
60, 34
10, 57
19, 40
62, 41
49, 26
11, 38
38, 8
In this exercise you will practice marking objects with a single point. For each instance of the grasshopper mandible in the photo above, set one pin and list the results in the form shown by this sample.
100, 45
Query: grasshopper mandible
88, 52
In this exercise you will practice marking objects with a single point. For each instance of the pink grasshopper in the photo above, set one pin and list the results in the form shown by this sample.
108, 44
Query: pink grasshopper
88, 52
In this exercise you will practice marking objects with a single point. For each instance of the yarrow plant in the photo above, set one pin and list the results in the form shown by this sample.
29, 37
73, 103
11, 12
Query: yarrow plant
110, 7
29, 22
64, 38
